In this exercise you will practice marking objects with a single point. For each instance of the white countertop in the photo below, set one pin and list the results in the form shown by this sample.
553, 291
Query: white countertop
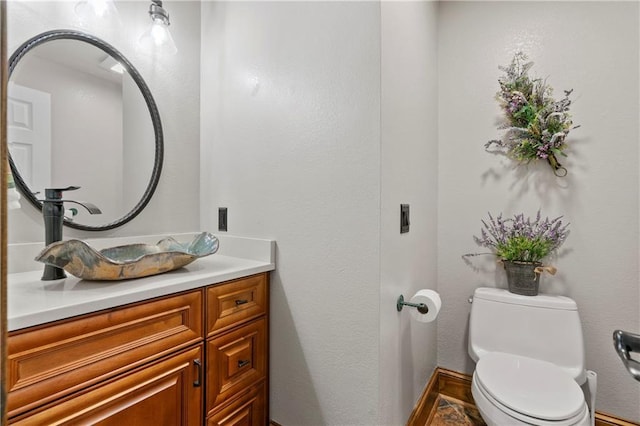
32, 301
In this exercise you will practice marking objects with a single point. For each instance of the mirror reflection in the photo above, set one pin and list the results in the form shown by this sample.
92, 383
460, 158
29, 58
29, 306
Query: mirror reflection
77, 117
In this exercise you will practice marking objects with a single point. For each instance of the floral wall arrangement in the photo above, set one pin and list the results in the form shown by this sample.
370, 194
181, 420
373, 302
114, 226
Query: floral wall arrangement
536, 125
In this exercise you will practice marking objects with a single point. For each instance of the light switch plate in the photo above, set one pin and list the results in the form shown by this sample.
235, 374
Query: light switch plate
222, 219
404, 218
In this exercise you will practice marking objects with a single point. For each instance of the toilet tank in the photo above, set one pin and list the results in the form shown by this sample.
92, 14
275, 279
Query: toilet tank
543, 327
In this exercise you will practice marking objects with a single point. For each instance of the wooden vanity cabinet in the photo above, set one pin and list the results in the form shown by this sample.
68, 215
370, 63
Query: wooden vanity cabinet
148, 363
237, 352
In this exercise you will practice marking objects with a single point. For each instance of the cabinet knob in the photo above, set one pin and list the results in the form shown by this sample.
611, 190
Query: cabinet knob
241, 302
242, 363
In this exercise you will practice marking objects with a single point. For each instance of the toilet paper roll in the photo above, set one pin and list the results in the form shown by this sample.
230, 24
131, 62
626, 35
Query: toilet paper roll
433, 302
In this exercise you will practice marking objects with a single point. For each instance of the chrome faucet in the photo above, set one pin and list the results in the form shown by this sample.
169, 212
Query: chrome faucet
53, 213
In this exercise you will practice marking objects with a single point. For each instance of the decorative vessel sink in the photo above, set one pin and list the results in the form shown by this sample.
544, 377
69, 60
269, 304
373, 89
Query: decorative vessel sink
125, 262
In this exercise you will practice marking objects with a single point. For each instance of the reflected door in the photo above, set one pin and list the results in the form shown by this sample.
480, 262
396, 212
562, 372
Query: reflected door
29, 134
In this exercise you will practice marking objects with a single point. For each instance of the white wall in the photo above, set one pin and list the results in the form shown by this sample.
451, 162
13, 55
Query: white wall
591, 47
291, 145
174, 83
318, 120
409, 157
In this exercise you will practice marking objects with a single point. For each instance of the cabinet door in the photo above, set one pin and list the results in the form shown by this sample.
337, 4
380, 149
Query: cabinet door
235, 361
166, 393
50, 362
249, 410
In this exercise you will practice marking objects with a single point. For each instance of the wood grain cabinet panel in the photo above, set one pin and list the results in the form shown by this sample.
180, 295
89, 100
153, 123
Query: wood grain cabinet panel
234, 302
235, 361
165, 393
47, 363
248, 410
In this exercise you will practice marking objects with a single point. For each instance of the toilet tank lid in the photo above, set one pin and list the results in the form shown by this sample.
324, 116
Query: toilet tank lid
542, 300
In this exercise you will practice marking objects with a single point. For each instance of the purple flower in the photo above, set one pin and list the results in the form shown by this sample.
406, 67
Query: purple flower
512, 237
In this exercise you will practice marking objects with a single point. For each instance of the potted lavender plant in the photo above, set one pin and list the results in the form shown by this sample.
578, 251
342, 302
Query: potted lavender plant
522, 244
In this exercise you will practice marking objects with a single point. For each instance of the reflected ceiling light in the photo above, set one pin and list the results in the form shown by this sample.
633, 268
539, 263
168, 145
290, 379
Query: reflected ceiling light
88, 11
157, 36
111, 64
118, 68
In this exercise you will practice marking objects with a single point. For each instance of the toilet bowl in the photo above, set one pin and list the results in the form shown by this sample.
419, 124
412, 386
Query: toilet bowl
529, 354
515, 390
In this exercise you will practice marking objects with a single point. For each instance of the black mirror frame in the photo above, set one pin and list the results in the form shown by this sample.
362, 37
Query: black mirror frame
153, 111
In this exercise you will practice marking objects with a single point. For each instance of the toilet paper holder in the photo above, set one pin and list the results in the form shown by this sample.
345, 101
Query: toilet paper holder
400, 303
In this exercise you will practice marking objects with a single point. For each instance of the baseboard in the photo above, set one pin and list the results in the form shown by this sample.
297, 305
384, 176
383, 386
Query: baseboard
424, 406
458, 385
603, 419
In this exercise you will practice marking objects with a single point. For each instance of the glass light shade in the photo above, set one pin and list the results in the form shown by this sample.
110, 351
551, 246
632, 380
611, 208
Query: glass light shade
157, 38
96, 12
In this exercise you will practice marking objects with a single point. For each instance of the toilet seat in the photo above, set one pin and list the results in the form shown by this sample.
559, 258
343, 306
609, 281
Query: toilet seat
495, 414
530, 390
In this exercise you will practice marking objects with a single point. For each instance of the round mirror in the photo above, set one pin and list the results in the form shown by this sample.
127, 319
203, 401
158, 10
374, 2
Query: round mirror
80, 114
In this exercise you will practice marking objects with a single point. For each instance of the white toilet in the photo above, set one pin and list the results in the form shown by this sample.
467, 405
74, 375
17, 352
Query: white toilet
530, 361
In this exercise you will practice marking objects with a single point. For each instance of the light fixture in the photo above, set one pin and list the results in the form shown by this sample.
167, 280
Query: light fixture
96, 12
157, 36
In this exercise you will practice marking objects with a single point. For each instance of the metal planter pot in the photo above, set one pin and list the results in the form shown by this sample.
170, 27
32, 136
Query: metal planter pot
522, 277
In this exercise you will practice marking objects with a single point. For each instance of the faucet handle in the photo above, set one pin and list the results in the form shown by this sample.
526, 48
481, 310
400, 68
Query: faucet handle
91, 208
56, 193
54, 196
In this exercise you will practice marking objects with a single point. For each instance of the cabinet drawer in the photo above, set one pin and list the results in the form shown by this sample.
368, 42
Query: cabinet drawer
166, 393
46, 363
234, 302
236, 360
248, 410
